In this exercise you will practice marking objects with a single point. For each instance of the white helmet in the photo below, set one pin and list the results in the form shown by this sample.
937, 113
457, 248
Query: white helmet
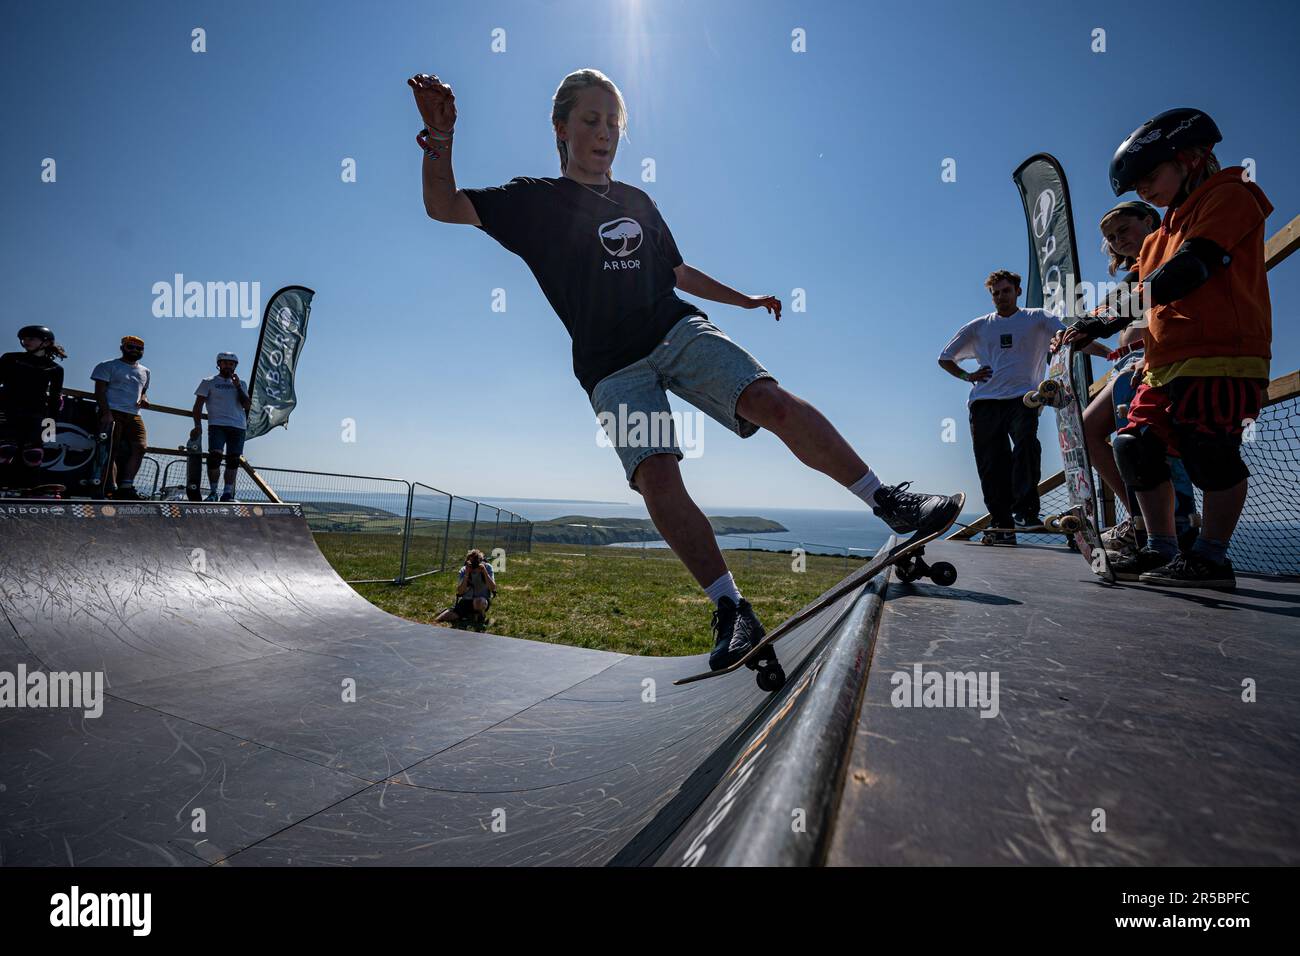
227, 357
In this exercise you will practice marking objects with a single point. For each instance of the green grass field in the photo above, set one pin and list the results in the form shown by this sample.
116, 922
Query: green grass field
619, 601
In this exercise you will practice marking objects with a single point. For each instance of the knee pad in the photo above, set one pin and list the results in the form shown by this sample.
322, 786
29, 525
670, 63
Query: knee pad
1213, 462
1140, 458
7, 453
32, 457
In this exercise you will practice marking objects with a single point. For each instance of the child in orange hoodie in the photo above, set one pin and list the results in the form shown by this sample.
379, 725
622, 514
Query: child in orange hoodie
1207, 342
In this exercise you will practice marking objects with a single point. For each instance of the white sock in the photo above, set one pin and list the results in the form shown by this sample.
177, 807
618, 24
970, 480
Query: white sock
725, 586
866, 487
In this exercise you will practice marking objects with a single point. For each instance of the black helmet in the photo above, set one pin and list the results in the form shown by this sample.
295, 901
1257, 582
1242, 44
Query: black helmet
1156, 141
36, 332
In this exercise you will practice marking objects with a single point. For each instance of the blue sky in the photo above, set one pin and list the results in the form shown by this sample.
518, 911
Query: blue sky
775, 170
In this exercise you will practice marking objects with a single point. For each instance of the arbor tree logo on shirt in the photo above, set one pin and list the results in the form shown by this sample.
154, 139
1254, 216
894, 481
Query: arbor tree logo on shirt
620, 237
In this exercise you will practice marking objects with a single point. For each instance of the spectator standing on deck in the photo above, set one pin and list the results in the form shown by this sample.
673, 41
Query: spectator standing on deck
31, 393
228, 402
120, 389
1011, 344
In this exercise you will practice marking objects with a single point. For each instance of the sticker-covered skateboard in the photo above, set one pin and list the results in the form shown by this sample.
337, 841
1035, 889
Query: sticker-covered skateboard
1065, 390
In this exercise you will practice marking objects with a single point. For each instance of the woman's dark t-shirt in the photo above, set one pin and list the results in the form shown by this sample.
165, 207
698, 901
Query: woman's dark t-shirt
605, 266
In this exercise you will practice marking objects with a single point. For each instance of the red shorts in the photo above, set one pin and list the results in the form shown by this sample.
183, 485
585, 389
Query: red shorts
1211, 405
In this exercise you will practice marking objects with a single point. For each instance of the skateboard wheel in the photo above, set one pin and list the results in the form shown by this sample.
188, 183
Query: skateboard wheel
1070, 524
943, 573
770, 679
1052, 522
1031, 400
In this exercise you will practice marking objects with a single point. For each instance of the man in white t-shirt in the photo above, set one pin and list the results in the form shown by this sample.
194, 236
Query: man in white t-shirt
1011, 345
121, 386
228, 403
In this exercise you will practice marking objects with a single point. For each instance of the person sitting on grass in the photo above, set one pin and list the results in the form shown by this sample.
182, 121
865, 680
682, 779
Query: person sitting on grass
475, 587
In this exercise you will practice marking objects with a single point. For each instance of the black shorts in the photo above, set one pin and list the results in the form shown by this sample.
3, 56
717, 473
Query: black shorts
464, 607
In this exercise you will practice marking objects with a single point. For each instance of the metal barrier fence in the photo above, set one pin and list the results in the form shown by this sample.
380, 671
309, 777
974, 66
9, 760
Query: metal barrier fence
372, 530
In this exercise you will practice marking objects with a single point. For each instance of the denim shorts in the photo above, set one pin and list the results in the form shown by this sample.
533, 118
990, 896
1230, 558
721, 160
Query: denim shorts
226, 438
697, 362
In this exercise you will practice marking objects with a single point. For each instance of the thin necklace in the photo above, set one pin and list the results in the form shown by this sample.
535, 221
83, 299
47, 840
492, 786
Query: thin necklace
604, 195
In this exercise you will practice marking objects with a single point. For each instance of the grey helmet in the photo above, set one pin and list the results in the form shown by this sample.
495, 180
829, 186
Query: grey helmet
227, 357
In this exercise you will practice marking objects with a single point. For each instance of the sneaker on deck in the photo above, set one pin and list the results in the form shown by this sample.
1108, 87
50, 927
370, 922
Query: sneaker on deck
1000, 537
1122, 537
1033, 521
127, 493
907, 512
1135, 566
1193, 571
227, 496
735, 632
212, 495
1120, 541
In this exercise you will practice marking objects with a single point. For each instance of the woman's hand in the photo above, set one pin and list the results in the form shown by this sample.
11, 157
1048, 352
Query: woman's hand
435, 100
769, 302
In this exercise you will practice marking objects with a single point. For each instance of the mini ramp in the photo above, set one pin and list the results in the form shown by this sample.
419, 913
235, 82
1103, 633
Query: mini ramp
228, 647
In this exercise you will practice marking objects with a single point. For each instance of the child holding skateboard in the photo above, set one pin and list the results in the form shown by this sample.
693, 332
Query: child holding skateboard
1207, 342
608, 264
31, 394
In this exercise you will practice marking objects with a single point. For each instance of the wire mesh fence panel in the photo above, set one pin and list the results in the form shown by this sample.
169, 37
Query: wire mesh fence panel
427, 550
358, 522
1267, 539
148, 477
462, 530
487, 529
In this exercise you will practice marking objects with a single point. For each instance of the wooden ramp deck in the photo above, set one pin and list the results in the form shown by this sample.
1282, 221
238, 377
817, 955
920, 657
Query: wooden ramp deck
1121, 735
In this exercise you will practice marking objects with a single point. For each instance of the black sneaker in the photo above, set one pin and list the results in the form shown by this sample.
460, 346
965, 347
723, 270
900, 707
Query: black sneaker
127, 494
907, 512
735, 632
1135, 566
1193, 571
1032, 521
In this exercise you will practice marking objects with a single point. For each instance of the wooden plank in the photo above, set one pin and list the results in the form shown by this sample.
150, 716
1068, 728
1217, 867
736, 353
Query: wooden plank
258, 480
1280, 389
1282, 243
151, 407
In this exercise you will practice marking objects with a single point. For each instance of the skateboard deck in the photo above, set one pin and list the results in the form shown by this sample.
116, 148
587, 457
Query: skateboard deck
194, 469
101, 478
1064, 389
906, 555
48, 491
1065, 524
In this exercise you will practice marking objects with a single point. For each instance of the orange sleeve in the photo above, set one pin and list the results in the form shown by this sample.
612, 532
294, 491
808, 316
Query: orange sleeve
1227, 216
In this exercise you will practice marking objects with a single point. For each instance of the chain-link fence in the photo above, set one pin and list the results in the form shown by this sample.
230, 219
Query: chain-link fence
372, 530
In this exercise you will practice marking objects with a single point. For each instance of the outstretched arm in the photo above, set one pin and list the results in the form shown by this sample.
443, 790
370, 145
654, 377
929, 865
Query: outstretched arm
694, 282
437, 105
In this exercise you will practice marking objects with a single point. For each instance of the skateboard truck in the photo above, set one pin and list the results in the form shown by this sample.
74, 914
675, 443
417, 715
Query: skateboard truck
941, 573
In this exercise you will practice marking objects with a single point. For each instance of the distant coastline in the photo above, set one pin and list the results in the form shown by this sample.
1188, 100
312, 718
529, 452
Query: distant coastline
585, 529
